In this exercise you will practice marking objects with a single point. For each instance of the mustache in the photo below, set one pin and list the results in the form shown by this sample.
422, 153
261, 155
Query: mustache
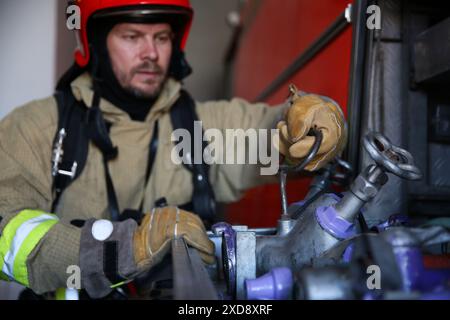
147, 67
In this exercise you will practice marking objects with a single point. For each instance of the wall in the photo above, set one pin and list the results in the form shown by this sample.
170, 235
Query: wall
28, 37
35, 53
37, 49
205, 50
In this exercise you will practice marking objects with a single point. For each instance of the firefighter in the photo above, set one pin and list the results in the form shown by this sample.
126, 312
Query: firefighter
71, 164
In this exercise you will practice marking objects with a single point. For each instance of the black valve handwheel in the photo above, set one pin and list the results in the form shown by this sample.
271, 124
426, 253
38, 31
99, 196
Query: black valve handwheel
392, 158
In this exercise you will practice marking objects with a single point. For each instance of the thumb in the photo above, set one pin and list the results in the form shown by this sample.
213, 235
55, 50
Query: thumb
299, 122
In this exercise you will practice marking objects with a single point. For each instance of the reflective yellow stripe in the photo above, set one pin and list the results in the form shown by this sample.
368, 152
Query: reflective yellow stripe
10, 230
67, 294
3, 277
60, 294
16, 246
20, 262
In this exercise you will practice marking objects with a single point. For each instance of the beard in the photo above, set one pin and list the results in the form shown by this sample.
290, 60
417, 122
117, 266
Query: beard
157, 83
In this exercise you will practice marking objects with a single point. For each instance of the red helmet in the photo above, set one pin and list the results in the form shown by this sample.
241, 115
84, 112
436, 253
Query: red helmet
136, 8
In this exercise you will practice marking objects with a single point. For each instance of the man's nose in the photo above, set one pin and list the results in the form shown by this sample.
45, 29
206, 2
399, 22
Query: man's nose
149, 50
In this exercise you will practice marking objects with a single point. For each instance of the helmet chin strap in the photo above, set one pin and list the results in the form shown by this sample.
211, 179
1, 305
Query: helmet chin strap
71, 74
179, 67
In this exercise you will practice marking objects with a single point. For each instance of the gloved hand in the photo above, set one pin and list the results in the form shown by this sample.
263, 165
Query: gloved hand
152, 239
311, 111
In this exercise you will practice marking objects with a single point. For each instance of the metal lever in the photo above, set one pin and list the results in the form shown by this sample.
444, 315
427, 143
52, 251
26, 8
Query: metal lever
285, 169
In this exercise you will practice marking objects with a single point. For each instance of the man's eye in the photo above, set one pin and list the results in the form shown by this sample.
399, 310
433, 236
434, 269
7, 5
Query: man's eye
162, 39
130, 37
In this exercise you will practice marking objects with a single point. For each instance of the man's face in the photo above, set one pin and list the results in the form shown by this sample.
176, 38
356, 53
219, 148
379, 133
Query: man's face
140, 56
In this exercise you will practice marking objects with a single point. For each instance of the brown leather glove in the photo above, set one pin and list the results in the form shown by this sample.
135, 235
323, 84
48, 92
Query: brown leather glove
152, 239
306, 112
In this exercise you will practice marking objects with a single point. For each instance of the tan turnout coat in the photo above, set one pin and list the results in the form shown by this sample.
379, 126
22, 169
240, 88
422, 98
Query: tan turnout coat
26, 137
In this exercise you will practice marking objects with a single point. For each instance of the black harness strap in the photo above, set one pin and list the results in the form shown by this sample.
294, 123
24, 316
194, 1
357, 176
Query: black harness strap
70, 146
98, 131
183, 116
89, 124
111, 262
151, 158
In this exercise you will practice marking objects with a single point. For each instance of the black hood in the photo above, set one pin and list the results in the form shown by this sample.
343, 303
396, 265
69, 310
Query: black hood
105, 81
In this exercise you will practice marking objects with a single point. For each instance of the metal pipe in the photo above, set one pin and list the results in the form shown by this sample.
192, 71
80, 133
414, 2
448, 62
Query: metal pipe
357, 75
284, 201
335, 29
349, 207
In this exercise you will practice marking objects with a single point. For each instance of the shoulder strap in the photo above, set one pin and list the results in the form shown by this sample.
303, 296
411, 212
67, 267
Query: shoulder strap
183, 116
98, 132
76, 126
70, 146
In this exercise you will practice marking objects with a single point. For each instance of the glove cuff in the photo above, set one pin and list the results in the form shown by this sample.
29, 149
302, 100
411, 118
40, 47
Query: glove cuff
106, 255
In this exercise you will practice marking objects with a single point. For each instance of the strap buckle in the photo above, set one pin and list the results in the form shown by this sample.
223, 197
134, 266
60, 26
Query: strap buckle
71, 173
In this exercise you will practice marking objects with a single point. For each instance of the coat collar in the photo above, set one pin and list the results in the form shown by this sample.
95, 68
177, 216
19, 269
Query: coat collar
82, 90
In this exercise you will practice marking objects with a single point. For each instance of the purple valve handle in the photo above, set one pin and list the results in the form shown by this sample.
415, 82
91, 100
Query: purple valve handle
228, 254
330, 220
275, 285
